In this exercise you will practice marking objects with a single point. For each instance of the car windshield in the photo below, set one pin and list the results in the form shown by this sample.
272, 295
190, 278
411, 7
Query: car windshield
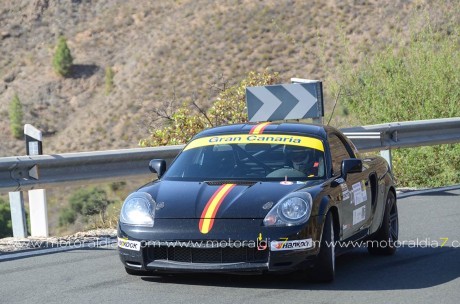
267, 157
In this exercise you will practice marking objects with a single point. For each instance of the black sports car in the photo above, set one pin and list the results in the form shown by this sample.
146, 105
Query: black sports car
259, 198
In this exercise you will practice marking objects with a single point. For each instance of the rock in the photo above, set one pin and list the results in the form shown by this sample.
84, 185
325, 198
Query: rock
4, 35
10, 77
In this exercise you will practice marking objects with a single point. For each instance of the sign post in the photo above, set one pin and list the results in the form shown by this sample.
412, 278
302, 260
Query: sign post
18, 215
37, 197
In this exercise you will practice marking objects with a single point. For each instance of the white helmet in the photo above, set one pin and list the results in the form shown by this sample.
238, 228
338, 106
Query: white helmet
299, 156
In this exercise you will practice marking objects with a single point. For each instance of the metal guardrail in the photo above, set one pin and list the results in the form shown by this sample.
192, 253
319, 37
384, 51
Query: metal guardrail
80, 168
407, 134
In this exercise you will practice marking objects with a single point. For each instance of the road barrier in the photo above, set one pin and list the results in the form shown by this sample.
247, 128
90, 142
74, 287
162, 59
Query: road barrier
19, 173
86, 167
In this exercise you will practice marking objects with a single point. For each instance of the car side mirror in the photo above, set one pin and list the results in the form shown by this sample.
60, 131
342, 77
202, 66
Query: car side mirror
158, 166
351, 165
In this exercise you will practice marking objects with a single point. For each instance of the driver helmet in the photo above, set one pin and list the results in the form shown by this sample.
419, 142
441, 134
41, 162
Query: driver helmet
299, 156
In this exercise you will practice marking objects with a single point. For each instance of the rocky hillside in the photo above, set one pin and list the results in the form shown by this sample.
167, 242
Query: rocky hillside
158, 49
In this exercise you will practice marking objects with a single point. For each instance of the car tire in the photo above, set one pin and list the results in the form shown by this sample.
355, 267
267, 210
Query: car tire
137, 272
324, 269
383, 242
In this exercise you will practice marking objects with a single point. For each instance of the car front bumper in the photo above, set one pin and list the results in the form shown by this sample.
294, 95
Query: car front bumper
257, 250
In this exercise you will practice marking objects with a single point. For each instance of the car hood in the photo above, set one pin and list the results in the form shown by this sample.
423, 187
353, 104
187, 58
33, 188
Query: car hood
232, 200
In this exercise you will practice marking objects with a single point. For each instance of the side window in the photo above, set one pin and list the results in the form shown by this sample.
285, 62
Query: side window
339, 152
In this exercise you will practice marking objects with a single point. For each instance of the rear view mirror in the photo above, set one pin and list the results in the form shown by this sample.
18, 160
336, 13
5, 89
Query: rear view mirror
158, 166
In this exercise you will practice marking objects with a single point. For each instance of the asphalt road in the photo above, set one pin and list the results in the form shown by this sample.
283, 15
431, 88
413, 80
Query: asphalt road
418, 273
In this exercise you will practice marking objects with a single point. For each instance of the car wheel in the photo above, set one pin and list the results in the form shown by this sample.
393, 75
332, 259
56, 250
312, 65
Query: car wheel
383, 243
137, 272
324, 269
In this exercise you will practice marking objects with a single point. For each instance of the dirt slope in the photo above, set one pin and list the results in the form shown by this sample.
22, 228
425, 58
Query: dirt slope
156, 48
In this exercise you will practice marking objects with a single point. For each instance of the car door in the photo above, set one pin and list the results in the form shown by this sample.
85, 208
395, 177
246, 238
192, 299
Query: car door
355, 206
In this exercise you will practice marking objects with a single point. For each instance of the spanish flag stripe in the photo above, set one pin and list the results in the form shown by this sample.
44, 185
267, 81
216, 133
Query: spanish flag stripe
210, 211
214, 211
209, 204
262, 127
252, 129
227, 190
258, 129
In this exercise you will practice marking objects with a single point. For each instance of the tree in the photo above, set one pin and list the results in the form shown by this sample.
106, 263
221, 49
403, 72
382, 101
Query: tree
16, 116
229, 108
62, 61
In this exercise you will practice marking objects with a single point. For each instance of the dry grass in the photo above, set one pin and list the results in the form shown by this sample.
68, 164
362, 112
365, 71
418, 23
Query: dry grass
159, 46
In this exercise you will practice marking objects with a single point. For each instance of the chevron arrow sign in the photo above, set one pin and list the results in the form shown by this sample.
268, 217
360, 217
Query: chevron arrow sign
285, 101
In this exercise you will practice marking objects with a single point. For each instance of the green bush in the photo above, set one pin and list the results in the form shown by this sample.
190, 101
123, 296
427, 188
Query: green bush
62, 61
6, 229
229, 108
411, 81
67, 216
16, 116
86, 202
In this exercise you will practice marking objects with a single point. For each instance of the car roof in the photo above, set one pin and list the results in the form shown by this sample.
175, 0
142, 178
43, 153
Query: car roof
272, 128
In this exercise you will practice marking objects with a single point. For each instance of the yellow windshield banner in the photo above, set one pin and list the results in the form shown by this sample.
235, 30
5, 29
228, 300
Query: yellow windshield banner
281, 139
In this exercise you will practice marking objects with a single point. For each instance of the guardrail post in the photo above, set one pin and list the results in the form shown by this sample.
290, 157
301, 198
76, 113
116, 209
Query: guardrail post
37, 198
38, 213
18, 216
387, 155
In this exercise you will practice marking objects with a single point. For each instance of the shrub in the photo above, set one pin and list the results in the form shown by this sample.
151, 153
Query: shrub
86, 202
67, 216
16, 115
5, 219
62, 61
416, 80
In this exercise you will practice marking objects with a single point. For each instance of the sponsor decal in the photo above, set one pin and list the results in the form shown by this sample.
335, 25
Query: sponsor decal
259, 129
261, 243
210, 210
345, 192
359, 215
294, 140
286, 182
359, 193
291, 245
339, 180
130, 245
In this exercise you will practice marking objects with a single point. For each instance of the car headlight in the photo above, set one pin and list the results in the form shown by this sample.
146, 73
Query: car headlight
293, 209
138, 210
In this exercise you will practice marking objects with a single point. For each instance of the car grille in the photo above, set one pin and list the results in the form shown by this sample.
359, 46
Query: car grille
207, 255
